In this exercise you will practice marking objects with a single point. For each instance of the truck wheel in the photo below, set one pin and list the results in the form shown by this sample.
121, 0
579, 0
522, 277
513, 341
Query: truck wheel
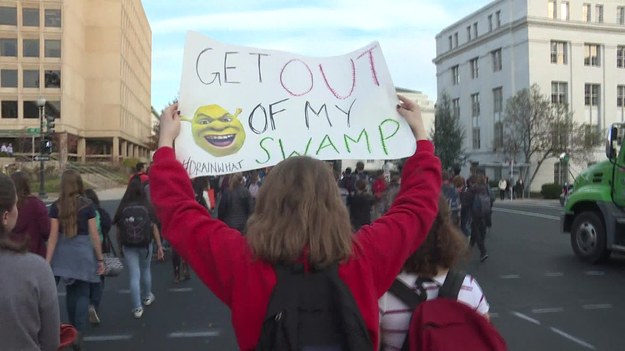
588, 238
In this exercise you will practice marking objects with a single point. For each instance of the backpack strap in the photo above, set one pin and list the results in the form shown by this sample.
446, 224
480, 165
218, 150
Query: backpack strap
407, 295
453, 283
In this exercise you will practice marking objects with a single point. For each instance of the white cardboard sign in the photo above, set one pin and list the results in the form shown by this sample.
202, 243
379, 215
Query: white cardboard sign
246, 108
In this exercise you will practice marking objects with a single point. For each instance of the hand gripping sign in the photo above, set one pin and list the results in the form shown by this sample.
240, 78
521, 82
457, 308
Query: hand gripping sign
244, 108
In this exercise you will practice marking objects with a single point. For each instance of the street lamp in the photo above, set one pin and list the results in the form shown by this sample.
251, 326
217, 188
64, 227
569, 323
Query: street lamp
41, 103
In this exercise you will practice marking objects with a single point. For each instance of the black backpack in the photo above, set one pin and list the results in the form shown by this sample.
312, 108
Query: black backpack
135, 226
312, 311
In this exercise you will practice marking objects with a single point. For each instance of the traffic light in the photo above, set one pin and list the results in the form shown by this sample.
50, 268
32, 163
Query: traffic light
46, 146
50, 124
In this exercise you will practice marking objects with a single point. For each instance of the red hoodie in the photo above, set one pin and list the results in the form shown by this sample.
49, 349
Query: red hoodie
221, 257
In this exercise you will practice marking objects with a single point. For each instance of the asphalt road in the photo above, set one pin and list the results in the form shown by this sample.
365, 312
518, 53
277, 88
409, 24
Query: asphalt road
541, 296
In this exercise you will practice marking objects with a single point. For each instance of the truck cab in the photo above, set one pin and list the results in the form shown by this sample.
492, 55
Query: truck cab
594, 212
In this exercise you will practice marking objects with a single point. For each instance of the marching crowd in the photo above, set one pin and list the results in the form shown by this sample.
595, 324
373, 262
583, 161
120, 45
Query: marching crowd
335, 261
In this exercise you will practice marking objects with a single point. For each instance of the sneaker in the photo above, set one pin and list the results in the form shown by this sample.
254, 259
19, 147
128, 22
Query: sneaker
137, 312
483, 258
93, 315
149, 300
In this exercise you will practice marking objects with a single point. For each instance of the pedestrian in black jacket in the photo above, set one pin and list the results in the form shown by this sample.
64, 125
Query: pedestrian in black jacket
236, 204
360, 205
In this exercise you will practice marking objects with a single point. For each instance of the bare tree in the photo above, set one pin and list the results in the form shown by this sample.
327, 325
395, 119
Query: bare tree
447, 134
537, 129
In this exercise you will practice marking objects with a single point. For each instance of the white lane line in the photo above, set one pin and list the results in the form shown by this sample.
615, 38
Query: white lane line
595, 273
202, 334
599, 306
547, 310
510, 276
527, 318
572, 338
107, 337
554, 274
181, 289
123, 291
526, 213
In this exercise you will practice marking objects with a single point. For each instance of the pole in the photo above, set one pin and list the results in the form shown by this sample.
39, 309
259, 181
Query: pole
42, 180
511, 179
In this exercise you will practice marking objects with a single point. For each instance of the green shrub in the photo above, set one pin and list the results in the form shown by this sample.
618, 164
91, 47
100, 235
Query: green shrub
131, 163
551, 191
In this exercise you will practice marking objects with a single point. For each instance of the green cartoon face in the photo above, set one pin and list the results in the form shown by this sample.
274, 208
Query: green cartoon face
217, 131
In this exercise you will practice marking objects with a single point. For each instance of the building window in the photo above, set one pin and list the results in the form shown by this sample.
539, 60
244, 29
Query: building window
620, 102
30, 48
451, 43
592, 101
53, 79
496, 57
551, 10
8, 47
468, 33
498, 18
52, 48
475, 105
564, 11
455, 75
476, 134
455, 107
53, 108
475, 68
620, 56
53, 18
8, 78
497, 112
559, 52
599, 13
9, 109
620, 15
559, 92
498, 100
475, 30
498, 139
591, 55
31, 78
586, 14
8, 16
490, 23
31, 110
30, 17
456, 39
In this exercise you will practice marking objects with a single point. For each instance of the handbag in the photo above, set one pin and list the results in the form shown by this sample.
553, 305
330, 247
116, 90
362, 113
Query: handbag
113, 265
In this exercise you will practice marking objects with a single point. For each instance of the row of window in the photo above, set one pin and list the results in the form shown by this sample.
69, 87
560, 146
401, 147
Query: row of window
30, 17
587, 12
31, 110
474, 66
472, 30
30, 47
30, 78
592, 54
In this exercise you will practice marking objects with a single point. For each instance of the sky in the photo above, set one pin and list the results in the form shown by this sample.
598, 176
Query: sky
406, 30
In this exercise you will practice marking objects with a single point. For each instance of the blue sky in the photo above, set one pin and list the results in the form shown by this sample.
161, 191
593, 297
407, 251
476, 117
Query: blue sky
404, 28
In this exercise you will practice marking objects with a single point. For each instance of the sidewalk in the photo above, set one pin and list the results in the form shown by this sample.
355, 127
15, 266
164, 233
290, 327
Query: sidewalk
530, 202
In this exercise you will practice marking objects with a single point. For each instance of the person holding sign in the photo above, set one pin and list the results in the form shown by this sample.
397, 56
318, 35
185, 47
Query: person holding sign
299, 231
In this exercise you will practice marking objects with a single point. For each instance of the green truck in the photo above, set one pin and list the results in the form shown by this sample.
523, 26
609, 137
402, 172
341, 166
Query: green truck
594, 212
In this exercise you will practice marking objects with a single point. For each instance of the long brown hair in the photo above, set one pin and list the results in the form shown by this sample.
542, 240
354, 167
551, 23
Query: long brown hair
7, 201
69, 202
443, 247
299, 208
22, 187
235, 181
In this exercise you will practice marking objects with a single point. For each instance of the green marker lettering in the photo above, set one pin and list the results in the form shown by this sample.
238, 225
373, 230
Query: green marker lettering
383, 138
323, 145
347, 137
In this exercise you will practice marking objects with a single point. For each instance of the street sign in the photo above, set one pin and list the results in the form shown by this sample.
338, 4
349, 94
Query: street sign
33, 130
42, 158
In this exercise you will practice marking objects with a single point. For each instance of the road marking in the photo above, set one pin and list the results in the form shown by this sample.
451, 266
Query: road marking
599, 306
202, 334
554, 274
526, 213
527, 318
123, 291
595, 273
107, 337
61, 294
547, 310
572, 338
510, 276
181, 289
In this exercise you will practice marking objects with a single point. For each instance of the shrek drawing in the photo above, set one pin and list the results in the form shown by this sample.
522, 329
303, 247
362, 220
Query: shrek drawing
216, 130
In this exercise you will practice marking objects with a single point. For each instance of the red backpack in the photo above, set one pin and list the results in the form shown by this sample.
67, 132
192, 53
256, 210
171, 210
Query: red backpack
444, 324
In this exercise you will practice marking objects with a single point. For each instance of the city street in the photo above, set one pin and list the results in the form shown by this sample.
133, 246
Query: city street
542, 297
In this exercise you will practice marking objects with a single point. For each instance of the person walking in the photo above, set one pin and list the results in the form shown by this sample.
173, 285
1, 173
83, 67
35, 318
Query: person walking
33, 225
503, 185
236, 204
360, 205
136, 228
480, 209
74, 249
299, 221
30, 309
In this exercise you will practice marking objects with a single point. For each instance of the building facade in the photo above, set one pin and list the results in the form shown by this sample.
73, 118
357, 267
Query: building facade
574, 50
91, 62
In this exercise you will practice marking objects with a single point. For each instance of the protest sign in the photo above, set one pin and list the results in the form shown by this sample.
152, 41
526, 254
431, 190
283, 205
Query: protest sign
245, 108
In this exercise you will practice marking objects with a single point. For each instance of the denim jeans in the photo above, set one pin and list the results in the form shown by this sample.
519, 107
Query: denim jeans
138, 261
95, 293
77, 301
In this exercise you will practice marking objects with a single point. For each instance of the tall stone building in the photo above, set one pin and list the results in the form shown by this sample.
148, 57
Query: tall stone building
91, 62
